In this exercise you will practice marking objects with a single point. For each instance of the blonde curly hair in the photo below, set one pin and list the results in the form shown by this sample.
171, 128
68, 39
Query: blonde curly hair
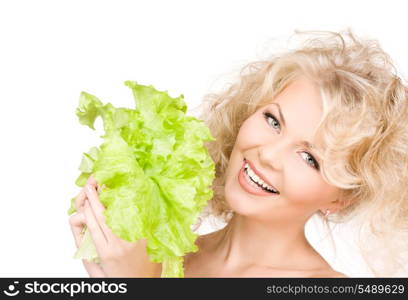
364, 130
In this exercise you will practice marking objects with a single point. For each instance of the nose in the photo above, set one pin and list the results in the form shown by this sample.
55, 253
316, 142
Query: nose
272, 155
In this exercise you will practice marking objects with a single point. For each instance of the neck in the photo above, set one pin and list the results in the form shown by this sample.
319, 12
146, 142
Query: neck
246, 241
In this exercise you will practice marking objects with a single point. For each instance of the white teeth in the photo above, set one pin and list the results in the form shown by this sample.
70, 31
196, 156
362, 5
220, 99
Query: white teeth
257, 179
250, 182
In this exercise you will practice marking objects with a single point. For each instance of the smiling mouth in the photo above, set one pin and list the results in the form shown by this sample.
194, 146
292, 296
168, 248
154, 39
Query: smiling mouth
258, 180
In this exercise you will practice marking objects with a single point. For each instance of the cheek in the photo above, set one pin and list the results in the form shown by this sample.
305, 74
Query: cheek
251, 133
302, 186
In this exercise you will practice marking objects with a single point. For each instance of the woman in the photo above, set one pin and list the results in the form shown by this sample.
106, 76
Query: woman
321, 129
274, 186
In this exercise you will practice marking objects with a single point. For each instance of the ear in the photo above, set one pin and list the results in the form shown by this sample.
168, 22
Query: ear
345, 202
336, 205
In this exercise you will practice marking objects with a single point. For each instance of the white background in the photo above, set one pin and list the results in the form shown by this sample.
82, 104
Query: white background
50, 51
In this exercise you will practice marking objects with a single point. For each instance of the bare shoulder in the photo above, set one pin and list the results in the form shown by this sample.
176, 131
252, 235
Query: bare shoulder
208, 240
202, 263
329, 274
192, 260
339, 275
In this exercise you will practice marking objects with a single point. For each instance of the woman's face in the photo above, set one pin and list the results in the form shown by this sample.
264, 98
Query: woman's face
271, 141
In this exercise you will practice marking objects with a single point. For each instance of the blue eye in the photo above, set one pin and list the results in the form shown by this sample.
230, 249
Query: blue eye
311, 161
275, 123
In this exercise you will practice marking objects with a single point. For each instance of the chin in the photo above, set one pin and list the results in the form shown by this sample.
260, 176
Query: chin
239, 203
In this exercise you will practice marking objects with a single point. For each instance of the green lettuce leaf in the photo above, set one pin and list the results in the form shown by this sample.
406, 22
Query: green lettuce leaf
155, 170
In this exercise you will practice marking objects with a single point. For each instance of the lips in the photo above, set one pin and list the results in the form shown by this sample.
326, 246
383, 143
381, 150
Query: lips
260, 175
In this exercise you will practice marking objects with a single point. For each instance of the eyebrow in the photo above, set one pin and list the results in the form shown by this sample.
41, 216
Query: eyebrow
306, 144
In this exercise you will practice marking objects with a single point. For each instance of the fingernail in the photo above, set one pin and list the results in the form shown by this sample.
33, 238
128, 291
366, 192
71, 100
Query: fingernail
89, 187
91, 178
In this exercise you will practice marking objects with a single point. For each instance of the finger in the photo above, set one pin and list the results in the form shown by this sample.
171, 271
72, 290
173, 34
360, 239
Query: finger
98, 210
92, 180
93, 198
77, 222
80, 200
98, 236
93, 269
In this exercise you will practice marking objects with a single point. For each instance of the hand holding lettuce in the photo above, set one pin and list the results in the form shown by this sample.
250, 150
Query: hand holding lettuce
155, 170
